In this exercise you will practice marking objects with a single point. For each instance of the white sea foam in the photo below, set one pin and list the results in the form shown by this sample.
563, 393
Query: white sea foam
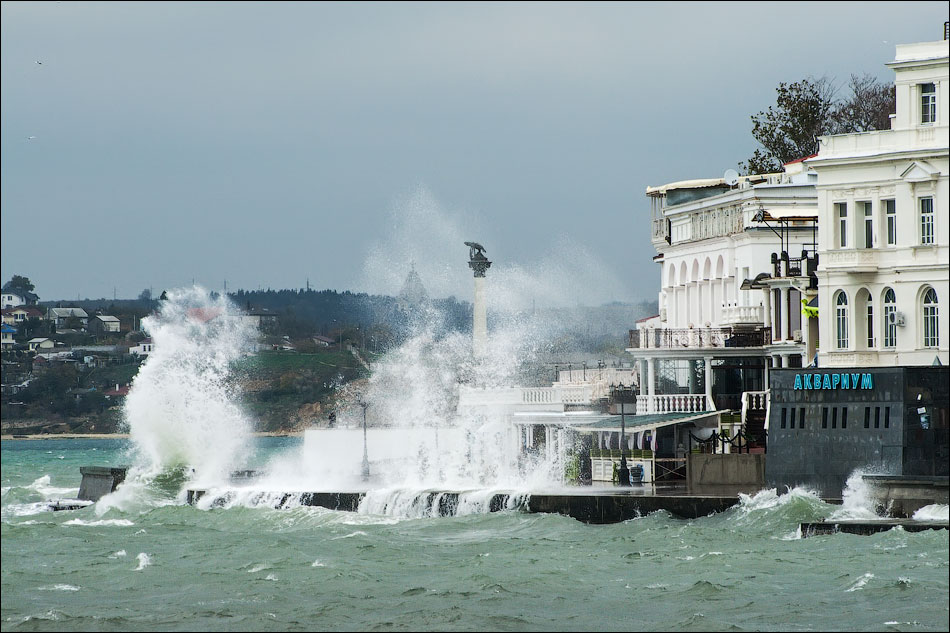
935, 512
120, 554
144, 561
857, 499
317, 563
60, 587
272, 577
181, 410
860, 582
100, 522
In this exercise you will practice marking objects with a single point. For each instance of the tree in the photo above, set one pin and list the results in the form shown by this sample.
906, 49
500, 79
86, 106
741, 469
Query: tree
19, 285
146, 296
808, 109
790, 129
868, 108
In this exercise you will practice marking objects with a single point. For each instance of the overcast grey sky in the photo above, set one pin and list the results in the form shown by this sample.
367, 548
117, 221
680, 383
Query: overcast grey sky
266, 144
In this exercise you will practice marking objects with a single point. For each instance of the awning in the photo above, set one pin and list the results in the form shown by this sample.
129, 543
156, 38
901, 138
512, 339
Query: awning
644, 422
792, 213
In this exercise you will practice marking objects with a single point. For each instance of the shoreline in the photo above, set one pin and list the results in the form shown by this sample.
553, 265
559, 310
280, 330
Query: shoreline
15, 437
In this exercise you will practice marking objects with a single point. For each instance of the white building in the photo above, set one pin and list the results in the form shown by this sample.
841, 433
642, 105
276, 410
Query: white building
144, 348
725, 247
884, 221
11, 300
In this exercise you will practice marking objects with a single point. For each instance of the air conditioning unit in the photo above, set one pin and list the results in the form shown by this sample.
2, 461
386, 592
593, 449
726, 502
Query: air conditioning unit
797, 335
895, 318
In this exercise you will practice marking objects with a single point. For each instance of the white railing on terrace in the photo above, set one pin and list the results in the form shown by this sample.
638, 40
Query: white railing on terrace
880, 140
673, 403
736, 315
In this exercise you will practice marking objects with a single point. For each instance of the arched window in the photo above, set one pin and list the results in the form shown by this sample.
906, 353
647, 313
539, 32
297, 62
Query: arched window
869, 304
931, 324
841, 320
890, 318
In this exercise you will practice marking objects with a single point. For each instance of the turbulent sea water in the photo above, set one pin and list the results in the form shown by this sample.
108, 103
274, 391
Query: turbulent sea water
147, 561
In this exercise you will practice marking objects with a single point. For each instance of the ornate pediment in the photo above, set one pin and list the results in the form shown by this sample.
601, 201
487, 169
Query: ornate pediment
920, 171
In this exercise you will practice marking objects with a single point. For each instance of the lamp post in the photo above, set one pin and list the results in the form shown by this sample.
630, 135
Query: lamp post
364, 405
624, 473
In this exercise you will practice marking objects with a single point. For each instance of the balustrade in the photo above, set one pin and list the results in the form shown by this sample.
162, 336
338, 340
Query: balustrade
735, 315
672, 403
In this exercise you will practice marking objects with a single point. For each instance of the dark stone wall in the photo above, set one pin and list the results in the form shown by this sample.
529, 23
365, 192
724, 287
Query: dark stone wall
878, 430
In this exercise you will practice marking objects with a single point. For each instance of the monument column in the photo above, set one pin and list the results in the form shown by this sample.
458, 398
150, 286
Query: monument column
479, 264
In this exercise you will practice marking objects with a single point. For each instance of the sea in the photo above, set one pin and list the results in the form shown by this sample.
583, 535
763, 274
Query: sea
148, 561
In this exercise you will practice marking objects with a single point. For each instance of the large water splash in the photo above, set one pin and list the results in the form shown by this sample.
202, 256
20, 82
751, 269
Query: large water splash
181, 411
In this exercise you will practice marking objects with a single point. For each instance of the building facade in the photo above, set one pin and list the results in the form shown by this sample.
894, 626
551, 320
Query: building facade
877, 403
884, 238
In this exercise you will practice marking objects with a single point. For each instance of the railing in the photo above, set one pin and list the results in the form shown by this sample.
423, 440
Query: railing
550, 398
736, 315
698, 338
878, 140
672, 403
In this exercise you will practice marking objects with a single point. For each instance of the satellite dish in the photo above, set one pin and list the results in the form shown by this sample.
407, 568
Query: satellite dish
731, 177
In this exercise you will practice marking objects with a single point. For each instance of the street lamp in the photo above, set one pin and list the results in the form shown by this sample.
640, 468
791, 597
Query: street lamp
624, 473
365, 471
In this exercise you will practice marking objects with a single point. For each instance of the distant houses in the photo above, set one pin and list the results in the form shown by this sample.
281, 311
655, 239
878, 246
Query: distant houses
68, 318
7, 341
103, 324
144, 348
19, 314
41, 344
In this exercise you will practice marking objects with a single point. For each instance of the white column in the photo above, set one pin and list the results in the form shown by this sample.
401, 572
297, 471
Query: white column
707, 379
711, 289
643, 378
783, 313
480, 323
767, 310
784, 360
651, 383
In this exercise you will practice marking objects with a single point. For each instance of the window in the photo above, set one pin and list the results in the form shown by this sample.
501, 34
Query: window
926, 220
784, 416
834, 417
841, 320
931, 324
844, 417
877, 417
887, 418
928, 103
842, 213
870, 322
867, 417
890, 212
791, 419
890, 318
801, 417
824, 417
868, 224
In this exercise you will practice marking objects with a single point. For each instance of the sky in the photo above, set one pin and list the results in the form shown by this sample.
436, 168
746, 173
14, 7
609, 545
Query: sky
268, 145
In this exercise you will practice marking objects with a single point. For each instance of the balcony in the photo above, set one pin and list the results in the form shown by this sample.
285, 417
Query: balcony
742, 315
699, 338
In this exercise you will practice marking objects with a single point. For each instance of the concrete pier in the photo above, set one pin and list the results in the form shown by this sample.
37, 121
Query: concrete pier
589, 506
866, 528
